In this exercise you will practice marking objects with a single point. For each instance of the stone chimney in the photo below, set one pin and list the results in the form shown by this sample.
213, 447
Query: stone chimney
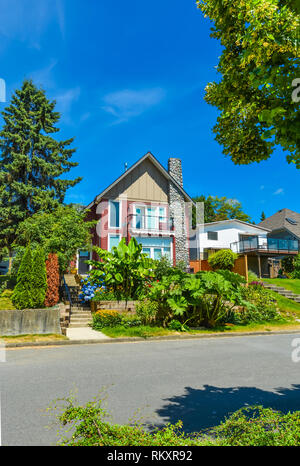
175, 170
177, 211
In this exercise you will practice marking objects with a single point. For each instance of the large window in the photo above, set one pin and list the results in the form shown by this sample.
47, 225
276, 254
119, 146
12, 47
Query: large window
156, 247
149, 218
114, 214
113, 240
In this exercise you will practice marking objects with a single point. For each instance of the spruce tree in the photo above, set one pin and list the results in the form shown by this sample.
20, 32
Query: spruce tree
262, 217
23, 291
31, 160
39, 279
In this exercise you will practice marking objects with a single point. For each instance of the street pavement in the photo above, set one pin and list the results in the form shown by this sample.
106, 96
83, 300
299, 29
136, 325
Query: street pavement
197, 381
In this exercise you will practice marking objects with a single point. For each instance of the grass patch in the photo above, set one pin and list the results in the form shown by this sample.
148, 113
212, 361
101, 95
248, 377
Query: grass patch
288, 283
285, 305
32, 338
143, 331
6, 305
148, 331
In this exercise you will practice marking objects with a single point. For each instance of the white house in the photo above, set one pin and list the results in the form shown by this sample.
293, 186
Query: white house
228, 234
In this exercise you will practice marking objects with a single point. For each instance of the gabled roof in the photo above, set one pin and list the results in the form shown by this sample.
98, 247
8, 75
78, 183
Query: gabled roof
284, 219
234, 220
157, 164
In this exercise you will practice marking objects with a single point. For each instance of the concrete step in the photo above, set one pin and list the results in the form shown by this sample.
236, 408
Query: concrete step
78, 325
81, 315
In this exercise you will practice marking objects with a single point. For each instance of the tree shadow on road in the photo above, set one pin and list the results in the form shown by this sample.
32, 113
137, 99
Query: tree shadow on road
203, 408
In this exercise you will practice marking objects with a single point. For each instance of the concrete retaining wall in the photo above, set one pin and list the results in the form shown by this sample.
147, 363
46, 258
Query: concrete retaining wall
30, 321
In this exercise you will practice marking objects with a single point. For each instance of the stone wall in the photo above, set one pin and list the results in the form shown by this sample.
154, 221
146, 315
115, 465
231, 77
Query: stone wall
120, 306
177, 211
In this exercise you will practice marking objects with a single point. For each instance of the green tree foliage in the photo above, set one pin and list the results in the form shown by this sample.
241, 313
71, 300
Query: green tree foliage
125, 269
222, 260
220, 208
32, 162
262, 217
259, 63
62, 231
90, 425
22, 297
39, 279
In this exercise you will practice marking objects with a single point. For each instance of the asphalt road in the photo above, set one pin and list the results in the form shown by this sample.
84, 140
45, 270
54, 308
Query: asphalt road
197, 381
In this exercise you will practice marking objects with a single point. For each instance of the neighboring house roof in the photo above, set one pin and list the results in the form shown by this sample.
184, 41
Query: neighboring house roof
284, 219
157, 164
225, 222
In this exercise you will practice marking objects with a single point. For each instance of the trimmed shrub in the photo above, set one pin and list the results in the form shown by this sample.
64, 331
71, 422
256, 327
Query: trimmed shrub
106, 318
222, 260
23, 292
39, 279
146, 311
52, 270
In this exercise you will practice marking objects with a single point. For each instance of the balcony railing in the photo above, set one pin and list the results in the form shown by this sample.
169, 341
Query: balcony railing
263, 244
150, 223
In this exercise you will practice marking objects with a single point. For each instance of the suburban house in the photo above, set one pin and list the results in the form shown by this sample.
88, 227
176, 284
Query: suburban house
263, 245
284, 229
146, 202
226, 234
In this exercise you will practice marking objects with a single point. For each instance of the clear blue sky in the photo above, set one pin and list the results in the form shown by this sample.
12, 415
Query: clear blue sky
128, 78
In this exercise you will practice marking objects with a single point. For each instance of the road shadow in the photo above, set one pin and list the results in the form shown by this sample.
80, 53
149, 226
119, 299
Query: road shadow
203, 408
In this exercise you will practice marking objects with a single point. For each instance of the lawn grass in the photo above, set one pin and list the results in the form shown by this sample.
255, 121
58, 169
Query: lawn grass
288, 283
32, 338
6, 304
286, 306
148, 331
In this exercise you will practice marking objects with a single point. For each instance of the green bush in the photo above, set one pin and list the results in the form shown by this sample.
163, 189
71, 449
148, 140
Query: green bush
296, 272
89, 425
126, 270
130, 320
39, 279
146, 311
7, 294
23, 292
106, 318
174, 324
222, 260
258, 426
262, 308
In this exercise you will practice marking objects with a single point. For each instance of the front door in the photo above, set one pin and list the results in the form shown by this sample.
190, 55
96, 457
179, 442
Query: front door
83, 268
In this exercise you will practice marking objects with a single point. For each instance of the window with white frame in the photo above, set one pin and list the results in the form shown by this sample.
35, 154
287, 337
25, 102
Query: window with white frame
156, 247
113, 241
149, 217
114, 214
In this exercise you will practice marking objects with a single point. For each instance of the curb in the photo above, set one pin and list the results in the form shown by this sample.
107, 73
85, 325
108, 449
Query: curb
139, 339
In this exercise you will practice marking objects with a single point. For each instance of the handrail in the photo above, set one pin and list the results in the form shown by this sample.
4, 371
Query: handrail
67, 292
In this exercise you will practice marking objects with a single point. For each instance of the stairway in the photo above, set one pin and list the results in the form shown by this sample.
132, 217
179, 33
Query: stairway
81, 314
283, 292
80, 317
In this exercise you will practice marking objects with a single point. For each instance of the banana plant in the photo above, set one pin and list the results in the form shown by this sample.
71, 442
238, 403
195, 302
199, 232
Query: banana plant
125, 269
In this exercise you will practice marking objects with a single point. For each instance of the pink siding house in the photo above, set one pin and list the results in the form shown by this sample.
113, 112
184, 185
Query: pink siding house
147, 202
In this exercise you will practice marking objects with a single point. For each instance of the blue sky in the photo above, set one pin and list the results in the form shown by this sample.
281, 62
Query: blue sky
128, 78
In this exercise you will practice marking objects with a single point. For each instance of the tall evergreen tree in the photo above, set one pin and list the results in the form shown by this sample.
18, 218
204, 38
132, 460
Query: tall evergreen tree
263, 216
39, 279
31, 160
22, 295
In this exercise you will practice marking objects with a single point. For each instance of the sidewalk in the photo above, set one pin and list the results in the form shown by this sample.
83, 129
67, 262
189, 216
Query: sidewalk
85, 333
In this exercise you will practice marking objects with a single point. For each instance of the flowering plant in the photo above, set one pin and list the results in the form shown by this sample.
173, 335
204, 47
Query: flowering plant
89, 288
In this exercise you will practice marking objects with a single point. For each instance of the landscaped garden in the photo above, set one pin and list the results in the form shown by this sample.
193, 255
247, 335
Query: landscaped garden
169, 301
